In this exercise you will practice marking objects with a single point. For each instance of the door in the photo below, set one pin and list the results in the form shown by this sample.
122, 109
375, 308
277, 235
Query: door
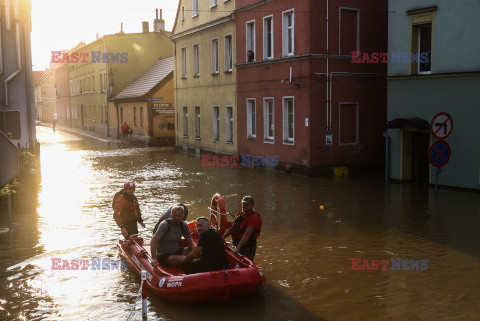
420, 167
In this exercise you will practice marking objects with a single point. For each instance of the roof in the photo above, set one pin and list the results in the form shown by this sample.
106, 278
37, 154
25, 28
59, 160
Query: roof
148, 80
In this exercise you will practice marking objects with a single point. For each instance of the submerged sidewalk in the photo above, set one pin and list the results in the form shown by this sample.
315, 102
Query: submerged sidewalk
83, 133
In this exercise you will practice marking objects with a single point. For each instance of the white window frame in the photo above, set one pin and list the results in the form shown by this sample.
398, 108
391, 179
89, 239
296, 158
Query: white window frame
266, 123
285, 28
194, 8
196, 60
265, 51
340, 27
215, 59
287, 140
213, 3
340, 123
251, 125
185, 121
249, 41
216, 123
183, 56
228, 52
229, 125
197, 124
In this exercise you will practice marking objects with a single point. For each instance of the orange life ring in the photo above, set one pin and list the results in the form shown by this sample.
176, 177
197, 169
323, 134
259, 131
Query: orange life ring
217, 208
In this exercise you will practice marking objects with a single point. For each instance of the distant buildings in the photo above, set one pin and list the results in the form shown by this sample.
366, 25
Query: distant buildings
45, 96
447, 81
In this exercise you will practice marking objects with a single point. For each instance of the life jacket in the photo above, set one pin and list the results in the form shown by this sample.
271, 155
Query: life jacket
238, 230
129, 213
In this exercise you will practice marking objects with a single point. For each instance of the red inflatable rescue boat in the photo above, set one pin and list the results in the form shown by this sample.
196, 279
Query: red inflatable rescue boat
242, 278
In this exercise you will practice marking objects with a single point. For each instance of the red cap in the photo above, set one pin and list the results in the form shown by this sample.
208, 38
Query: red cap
129, 185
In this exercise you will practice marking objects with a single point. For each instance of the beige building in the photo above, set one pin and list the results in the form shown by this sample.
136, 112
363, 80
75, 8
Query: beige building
101, 69
147, 105
45, 99
205, 76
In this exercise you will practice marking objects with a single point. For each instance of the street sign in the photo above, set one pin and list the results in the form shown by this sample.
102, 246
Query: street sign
439, 153
441, 125
9, 166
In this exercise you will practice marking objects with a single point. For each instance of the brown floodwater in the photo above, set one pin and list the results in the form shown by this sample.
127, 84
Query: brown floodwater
304, 252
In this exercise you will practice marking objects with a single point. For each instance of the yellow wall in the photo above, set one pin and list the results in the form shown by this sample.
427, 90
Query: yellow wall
164, 123
128, 116
207, 90
45, 99
205, 13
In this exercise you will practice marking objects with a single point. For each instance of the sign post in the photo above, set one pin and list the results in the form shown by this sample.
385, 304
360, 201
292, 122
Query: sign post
439, 155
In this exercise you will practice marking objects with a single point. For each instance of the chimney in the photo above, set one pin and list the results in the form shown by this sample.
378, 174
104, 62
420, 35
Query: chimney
97, 36
121, 28
159, 24
145, 27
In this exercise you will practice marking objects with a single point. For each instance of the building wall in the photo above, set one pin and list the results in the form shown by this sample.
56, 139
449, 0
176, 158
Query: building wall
314, 117
62, 95
206, 13
46, 97
207, 90
451, 34
162, 122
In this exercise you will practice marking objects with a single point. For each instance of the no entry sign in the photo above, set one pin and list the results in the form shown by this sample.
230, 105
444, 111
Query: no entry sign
441, 125
439, 153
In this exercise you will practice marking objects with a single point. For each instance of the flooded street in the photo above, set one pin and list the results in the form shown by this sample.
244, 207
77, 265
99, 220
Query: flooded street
304, 252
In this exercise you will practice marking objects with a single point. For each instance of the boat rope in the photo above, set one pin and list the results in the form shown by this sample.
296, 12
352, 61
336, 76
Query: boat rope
220, 213
134, 302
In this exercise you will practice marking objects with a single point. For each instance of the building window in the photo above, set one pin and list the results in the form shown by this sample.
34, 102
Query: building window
196, 61
101, 114
194, 8
141, 117
250, 41
348, 124
135, 116
213, 3
94, 88
268, 37
424, 49
288, 33
349, 25
183, 13
421, 24
251, 118
185, 121
288, 120
268, 120
215, 56
216, 123
106, 113
184, 62
228, 53
121, 115
229, 124
197, 122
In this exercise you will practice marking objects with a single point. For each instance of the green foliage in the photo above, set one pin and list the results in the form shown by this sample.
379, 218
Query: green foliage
28, 176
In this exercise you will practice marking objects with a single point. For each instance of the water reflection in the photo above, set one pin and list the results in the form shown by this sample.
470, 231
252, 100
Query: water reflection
305, 252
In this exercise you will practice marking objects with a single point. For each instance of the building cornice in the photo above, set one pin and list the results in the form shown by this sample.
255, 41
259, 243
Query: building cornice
421, 10
290, 58
205, 26
253, 5
433, 76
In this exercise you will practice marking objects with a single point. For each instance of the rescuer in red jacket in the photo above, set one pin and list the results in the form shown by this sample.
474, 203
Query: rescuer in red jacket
126, 210
125, 129
246, 229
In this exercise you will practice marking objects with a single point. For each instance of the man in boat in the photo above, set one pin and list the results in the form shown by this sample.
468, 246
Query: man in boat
209, 254
126, 210
167, 214
246, 229
164, 245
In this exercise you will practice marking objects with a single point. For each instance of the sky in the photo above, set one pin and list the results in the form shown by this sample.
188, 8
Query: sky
62, 24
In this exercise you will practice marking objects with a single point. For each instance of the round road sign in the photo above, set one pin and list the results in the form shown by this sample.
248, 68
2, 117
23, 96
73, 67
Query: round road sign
439, 153
441, 125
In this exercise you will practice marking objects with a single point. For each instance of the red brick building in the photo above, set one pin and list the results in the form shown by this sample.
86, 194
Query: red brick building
299, 96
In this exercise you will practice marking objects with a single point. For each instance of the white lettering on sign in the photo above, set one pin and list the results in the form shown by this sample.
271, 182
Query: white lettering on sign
174, 284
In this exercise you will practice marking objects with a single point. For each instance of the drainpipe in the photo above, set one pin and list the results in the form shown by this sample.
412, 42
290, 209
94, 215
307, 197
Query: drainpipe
387, 155
105, 83
328, 77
